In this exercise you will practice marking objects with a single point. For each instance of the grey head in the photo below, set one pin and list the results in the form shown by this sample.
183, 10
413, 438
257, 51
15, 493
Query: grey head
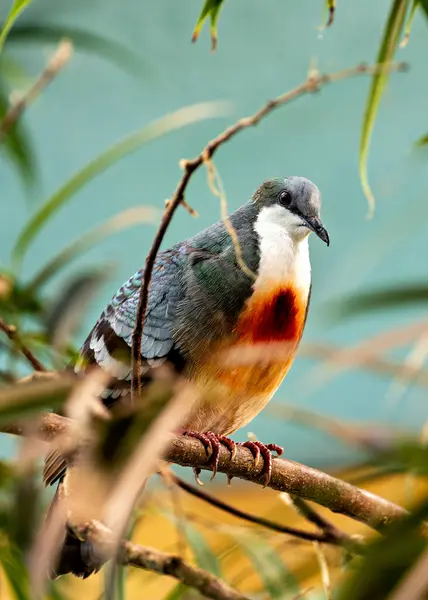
291, 202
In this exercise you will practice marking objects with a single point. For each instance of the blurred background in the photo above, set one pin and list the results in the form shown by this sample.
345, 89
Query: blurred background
133, 62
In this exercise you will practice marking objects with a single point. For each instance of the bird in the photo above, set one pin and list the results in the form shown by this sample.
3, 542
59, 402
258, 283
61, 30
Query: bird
205, 300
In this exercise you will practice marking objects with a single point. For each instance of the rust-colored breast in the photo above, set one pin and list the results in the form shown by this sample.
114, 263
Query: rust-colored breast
275, 315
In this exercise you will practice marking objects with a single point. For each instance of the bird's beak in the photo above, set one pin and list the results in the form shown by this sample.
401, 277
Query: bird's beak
317, 227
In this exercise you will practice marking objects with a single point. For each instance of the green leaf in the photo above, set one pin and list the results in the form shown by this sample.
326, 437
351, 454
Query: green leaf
387, 560
16, 574
423, 141
175, 120
408, 27
177, 592
424, 6
16, 144
19, 401
211, 9
64, 315
269, 565
17, 7
386, 53
128, 218
386, 298
83, 40
204, 556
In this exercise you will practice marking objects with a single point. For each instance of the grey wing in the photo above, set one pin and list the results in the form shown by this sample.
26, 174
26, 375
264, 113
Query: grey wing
110, 341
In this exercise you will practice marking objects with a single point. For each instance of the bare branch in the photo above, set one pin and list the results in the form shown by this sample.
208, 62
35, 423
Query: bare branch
12, 334
312, 84
53, 68
330, 535
153, 560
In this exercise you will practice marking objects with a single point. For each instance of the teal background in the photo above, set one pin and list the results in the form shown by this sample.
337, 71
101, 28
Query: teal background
265, 48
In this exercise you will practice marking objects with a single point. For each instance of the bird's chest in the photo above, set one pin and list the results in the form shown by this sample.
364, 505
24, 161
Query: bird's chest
258, 354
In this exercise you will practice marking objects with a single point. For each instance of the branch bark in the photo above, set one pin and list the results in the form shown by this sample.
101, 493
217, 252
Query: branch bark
287, 476
12, 334
150, 559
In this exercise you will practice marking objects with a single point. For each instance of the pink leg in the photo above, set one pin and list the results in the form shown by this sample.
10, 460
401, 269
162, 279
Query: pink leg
212, 443
258, 449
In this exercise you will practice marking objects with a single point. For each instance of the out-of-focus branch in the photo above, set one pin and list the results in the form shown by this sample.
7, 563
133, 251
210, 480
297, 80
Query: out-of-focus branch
287, 476
329, 535
53, 68
313, 83
153, 560
12, 334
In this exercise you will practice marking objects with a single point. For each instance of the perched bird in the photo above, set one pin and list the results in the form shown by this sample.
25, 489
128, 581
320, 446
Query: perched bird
203, 304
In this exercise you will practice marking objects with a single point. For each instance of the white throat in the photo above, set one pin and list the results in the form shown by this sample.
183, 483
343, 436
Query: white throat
284, 250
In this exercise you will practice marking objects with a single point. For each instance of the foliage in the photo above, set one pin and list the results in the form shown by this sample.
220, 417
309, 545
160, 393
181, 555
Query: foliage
47, 321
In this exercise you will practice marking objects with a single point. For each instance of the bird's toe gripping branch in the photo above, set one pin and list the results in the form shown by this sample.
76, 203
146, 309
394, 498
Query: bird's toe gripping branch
260, 450
213, 442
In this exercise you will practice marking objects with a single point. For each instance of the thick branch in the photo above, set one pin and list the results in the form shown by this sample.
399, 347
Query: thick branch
153, 560
312, 84
287, 476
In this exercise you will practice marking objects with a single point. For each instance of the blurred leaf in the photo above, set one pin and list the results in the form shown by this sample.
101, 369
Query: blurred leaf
175, 120
17, 7
407, 455
127, 218
386, 298
16, 574
177, 592
64, 315
424, 6
20, 401
408, 27
16, 144
387, 560
211, 9
204, 556
423, 141
330, 6
386, 53
83, 40
267, 563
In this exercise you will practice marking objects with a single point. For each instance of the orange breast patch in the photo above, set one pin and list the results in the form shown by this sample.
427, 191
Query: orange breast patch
274, 315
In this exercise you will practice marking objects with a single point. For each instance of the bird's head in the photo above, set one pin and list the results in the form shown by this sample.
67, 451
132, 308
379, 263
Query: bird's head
293, 203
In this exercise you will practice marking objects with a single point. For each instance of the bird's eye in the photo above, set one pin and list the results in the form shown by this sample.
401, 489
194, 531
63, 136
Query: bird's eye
284, 198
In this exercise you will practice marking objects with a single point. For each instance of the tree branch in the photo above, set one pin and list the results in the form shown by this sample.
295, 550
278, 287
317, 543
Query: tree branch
150, 559
12, 334
312, 84
329, 535
287, 476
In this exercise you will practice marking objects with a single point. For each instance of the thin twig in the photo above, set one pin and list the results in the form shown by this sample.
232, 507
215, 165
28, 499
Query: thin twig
312, 84
153, 560
287, 476
53, 68
314, 517
12, 334
327, 537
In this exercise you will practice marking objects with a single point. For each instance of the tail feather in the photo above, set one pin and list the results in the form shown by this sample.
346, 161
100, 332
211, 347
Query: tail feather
74, 555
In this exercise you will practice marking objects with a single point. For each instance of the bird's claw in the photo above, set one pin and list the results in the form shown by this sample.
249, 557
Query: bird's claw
212, 443
258, 449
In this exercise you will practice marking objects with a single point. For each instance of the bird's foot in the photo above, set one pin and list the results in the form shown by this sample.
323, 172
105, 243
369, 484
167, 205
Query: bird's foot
260, 450
212, 443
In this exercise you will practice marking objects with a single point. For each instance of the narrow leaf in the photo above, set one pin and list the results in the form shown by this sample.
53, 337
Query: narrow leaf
177, 119
177, 592
16, 574
384, 299
83, 40
272, 570
386, 53
16, 144
17, 7
211, 9
128, 218
408, 27
204, 556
